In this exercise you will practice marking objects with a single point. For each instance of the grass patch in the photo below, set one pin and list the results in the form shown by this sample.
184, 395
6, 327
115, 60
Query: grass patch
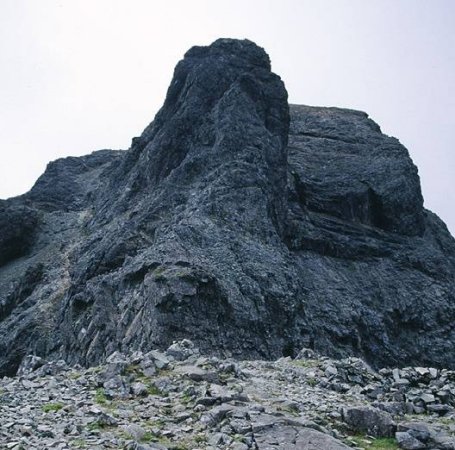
375, 443
74, 375
443, 420
52, 407
383, 443
289, 409
158, 273
312, 382
98, 426
157, 423
100, 396
79, 443
94, 426
149, 437
200, 439
306, 363
187, 398
135, 371
153, 389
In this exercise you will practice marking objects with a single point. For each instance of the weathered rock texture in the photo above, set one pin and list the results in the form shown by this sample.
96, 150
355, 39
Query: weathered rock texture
253, 228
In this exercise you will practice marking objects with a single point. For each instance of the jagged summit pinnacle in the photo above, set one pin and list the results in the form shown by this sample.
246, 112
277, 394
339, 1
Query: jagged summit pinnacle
252, 228
207, 73
223, 105
234, 49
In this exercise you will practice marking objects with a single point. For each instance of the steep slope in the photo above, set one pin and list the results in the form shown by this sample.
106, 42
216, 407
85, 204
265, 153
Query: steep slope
211, 226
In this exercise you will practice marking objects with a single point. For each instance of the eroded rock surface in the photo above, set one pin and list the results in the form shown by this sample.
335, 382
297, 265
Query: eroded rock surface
252, 228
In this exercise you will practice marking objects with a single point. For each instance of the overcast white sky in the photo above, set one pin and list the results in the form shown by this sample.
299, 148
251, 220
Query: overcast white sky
82, 75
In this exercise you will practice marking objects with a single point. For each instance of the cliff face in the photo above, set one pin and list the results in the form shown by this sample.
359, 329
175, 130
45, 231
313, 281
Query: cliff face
250, 227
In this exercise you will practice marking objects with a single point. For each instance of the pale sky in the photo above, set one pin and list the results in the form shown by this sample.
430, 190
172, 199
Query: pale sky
82, 75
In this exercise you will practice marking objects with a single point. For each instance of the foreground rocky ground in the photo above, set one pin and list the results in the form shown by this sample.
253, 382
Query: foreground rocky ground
180, 399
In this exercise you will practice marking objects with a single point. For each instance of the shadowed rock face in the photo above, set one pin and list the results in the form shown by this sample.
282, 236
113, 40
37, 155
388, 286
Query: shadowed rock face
250, 227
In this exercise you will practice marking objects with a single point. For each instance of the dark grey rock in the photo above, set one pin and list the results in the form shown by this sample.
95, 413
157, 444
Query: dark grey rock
393, 408
18, 226
216, 415
198, 374
249, 227
135, 431
440, 409
139, 389
116, 387
431, 436
106, 420
181, 350
420, 430
372, 421
408, 442
159, 359
29, 364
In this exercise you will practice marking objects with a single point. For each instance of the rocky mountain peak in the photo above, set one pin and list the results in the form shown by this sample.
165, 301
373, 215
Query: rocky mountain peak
251, 227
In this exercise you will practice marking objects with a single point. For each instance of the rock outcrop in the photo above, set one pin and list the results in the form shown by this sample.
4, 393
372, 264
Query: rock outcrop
249, 226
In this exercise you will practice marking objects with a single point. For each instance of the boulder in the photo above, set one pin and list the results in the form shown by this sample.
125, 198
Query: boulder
368, 420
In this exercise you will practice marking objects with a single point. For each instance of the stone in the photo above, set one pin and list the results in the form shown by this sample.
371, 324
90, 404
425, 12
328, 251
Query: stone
422, 371
106, 420
29, 364
441, 410
369, 420
117, 358
198, 374
401, 382
408, 442
217, 439
306, 353
331, 371
216, 415
393, 408
112, 370
135, 431
148, 367
419, 430
181, 350
139, 389
159, 359
427, 398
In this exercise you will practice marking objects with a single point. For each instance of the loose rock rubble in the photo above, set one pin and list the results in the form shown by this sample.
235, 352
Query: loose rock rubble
180, 399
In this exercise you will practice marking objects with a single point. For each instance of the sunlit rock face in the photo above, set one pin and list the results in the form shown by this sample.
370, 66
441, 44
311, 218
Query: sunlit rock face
251, 227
